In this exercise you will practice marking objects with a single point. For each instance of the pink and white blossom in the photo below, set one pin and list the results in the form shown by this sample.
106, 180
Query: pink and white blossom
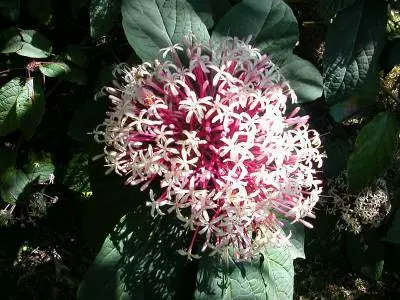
230, 162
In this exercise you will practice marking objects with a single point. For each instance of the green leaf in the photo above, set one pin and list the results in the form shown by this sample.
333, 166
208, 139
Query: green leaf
30, 106
40, 167
86, 118
271, 24
269, 278
155, 24
329, 8
42, 11
76, 55
54, 69
9, 93
296, 231
303, 78
394, 54
103, 14
354, 43
139, 260
76, 175
34, 44
374, 149
10, 9
361, 99
13, 184
393, 234
7, 159
366, 254
10, 40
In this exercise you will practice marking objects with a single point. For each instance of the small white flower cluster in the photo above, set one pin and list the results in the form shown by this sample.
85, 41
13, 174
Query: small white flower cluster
367, 209
230, 161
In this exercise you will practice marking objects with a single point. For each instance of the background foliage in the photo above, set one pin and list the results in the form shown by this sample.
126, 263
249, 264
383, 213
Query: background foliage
59, 212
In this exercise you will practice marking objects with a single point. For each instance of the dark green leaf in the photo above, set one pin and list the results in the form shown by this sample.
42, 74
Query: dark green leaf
361, 99
394, 54
353, 45
40, 167
393, 234
139, 260
54, 69
303, 78
10, 40
374, 149
103, 14
30, 106
10, 9
155, 24
338, 150
271, 278
7, 159
42, 11
271, 24
85, 120
34, 44
9, 93
366, 254
329, 8
76, 55
76, 175
13, 184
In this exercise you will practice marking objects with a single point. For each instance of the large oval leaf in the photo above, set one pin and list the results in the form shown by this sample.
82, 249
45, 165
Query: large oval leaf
139, 260
12, 184
30, 106
354, 43
9, 94
303, 78
271, 278
34, 44
375, 146
154, 24
271, 24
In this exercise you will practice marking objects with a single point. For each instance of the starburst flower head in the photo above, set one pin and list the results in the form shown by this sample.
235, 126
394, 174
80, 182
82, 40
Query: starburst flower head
210, 123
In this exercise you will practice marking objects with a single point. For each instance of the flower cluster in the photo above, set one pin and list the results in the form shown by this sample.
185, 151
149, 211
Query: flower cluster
366, 209
210, 124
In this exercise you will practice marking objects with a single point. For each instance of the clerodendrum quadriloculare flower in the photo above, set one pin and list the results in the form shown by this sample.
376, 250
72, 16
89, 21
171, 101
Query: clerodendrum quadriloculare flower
214, 132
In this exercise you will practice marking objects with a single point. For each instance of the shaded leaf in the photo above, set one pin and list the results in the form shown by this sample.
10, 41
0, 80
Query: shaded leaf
30, 106
139, 260
354, 43
271, 24
85, 120
54, 69
329, 8
7, 159
34, 44
42, 11
13, 184
374, 149
155, 24
10, 9
39, 168
393, 234
76, 55
76, 175
303, 78
103, 14
268, 278
366, 254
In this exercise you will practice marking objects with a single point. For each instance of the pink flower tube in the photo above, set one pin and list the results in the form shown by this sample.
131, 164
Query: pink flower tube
210, 125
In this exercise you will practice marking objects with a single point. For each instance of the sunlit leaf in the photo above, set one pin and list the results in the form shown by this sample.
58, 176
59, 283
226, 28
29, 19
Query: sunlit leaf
155, 24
